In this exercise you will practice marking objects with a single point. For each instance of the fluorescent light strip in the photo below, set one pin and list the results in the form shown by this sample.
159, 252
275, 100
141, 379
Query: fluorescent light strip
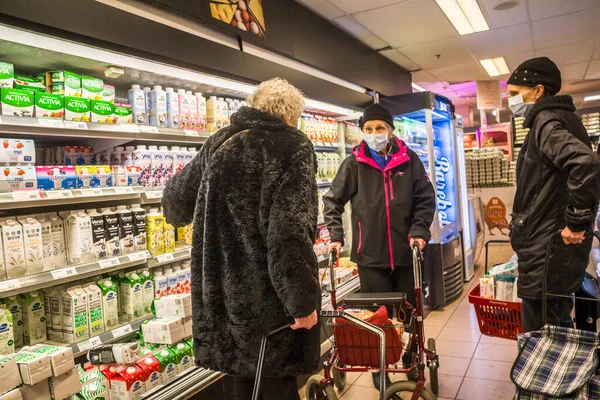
465, 15
592, 98
500, 64
474, 15
495, 66
418, 88
319, 105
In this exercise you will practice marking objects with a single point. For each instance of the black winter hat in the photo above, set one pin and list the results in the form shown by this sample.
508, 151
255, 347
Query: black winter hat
376, 111
538, 71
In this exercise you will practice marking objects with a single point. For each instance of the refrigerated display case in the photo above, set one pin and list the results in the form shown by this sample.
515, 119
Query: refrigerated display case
425, 121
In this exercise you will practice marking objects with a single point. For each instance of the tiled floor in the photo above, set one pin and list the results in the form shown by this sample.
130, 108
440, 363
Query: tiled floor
472, 366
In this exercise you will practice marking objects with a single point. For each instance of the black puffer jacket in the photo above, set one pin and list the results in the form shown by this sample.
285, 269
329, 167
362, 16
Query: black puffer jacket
558, 182
252, 196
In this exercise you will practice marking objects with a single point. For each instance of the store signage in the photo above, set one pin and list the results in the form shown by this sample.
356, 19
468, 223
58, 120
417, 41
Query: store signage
488, 95
246, 15
445, 194
495, 216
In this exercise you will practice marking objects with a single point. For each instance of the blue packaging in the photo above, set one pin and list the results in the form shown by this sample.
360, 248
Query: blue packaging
56, 178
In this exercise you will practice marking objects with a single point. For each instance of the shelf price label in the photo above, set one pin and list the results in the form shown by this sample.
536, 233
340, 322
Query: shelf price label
148, 129
59, 194
95, 341
189, 132
76, 125
165, 257
154, 194
51, 123
137, 256
84, 346
24, 196
63, 273
132, 128
9, 285
123, 190
122, 331
92, 192
110, 262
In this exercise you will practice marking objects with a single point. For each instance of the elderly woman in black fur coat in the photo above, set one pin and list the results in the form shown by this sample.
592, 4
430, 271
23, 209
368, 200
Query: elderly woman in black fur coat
252, 196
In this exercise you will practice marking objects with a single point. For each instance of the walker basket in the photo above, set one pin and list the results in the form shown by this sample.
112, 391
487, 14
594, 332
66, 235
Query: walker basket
497, 318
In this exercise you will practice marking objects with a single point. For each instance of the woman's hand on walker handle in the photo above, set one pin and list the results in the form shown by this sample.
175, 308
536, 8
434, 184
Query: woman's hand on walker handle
335, 245
419, 242
306, 322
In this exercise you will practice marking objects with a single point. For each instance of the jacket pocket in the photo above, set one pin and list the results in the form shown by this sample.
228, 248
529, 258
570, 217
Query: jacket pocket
518, 230
359, 238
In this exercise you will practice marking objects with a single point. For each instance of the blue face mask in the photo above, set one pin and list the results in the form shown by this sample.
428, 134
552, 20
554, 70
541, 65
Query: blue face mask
376, 141
518, 106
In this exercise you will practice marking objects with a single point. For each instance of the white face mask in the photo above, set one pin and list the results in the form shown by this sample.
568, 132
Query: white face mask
376, 141
518, 106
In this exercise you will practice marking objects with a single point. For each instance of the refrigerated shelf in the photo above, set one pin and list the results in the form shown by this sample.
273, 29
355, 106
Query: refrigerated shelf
180, 253
185, 385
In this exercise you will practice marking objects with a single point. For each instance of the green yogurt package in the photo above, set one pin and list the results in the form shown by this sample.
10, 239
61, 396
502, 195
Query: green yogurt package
48, 105
64, 82
77, 109
28, 83
17, 102
7, 75
92, 88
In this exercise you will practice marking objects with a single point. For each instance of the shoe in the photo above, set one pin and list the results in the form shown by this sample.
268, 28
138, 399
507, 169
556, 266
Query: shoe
375, 376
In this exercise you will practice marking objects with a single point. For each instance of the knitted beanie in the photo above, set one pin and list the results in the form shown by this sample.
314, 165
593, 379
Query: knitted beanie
374, 112
537, 71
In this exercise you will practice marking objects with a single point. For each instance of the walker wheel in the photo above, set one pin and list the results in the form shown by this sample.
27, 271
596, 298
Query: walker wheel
433, 370
339, 379
317, 390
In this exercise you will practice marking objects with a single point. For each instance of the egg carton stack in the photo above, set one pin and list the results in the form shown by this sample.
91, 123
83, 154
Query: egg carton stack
520, 131
512, 173
487, 168
591, 122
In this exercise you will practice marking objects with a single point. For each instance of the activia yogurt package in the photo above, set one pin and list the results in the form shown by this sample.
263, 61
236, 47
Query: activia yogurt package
17, 102
92, 88
123, 114
64, 82
77, 109
28, 83
49, 105
102, 111
7, 75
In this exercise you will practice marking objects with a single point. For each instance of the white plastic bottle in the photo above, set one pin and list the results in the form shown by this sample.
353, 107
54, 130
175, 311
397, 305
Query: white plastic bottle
172, 108
178, 158
193, 120
167, 164
115, 156
189, 155
143, 158
184, 108
139, 227
224, 112
172, 279
104, 158
160, 283
98, 233
156, 166
147, 91
127, 155
137, 99
126, 239
212, 116
158, 107
111, 224
201, 121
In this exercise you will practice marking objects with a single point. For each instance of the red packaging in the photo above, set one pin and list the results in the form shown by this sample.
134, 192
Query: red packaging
128, 384
152, 371
110, 370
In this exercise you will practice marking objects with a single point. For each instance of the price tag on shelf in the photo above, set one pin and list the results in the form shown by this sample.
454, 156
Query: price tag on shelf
59, 194
147, 254
148, 129
123, 189
165, 257
137, 256
84, 346
10, 284
76, 125
23, 196
154, 194
109, 262
122, 331
130, 128
190, 132
327, 144
92, 192
63, 273
51, 123
95, 341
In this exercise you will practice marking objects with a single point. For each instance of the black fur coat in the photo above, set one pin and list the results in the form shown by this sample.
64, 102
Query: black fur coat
251, 193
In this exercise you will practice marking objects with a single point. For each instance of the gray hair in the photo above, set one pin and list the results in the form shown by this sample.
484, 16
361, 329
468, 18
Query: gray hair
279, 98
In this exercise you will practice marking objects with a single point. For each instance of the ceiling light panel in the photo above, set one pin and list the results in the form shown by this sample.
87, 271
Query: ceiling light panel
592, 98
465, 15
495, 66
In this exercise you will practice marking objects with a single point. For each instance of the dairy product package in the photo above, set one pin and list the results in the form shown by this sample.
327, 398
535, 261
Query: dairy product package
128, 384
79, 238
93, 391
75, 325
134, 175
121, 353
155, 233
157, 103
119, 175
39, 391
132, 305
13, 248
64, 82
93, 176
176, 305
98, 234
142, 158
123, 114
212, 115
182, 279
17, 102
18, 178
50, 178
183, 356
127, 155
139, 227
70, 155
137, 100
188, 326
147, 291
2, 265
34, 248
486, 287
168, 364
77, 109
156, 166
56, 311
58, 240
152, 371
7, 334
110, 303
178, 158
111, 224
28, 83
167, 164
7, 75
65, 385
187, 267
91, 88
102, 111
172, 108
61, 358
125, 220
184, 108
160, 283
201, 121
14, 394
14, 305
34, 318
17, 151
95, 309
108, 93
163, 330
49, 105
9, 371
169, 234
193, 119
34, 368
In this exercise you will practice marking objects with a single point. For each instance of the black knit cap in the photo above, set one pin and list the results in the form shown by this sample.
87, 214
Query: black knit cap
538, 71
376, 111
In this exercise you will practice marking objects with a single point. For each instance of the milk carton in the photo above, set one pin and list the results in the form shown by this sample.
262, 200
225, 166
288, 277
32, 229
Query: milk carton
102, 111
56, 313
172, 108
178, 158
49, 105
142, 158
169, 237
34, 318
157, 159
92, 88
14, 394
17, 151
34, 248
147, 291
14, 248
167, 164
152, 371
157, 103
17, 102
75, 316
160, 283
98, 233
93, 391
77, 109
65, 385
137, 100
14, 305
155, 233
79, 238
47, 243
139, 227
95, 309
201, 121
64, 82
184, 108
193, 120
61, 358
7, 334
183, 356
132, 303
10, 374
2, 266
168, 364
58, 240
172, 280
128, 384
7, 75
111, 224
125, 220
18, 178
34, 368
49, 328
110, 303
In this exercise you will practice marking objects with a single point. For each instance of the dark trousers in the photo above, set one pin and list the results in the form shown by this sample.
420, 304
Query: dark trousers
384, 280
270, 388
559, 314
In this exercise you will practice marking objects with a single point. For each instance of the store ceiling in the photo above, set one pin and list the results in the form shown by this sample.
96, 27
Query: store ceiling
420, 38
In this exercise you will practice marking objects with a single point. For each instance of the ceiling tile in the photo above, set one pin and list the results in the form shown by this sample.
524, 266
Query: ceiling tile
541, 9
498, 42
594, 70
400, 59
581, 86
573, 71
596, 55
571, 54
423, 76
460, 73
357, 30
407, 23
566, 29
323, 8
514, 60
499, 19
440, 53
355, 6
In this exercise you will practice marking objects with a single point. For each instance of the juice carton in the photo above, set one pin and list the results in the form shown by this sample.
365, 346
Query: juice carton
93, 176
155, 222
108, 93
172, 108
137, 100
123, 114
132, 306
75, 316
49, 105
152, 371
128, 384
157, 103
79, 238
14, 305
110, 371
61, 358
77, 109
125, 220
184, 108
49, 178
164, 330
92, 88
10, 374
103, 112
65, 385
56, 313
58, 240
121, 353
147, 291
18, 178
95, 309
168, 364
34, 368
98, 233
14, 394
34, 248
160, 283
110, 303
183, 356
7, 75
111, 225
49, 328
17, 151
7, 334
14, 248
176, 305
17, 102
34, 318
64, 82
93, 391
28, 83
134, 175
169, 237
139, 227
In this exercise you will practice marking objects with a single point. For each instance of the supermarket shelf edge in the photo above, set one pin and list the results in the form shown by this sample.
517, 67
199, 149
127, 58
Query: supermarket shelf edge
185, 385
180, 253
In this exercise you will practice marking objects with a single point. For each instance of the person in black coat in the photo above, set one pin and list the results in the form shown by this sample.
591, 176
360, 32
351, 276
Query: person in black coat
251, 193
558, 182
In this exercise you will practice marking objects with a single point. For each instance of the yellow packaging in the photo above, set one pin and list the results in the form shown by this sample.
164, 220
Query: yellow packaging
169, 237
155, 232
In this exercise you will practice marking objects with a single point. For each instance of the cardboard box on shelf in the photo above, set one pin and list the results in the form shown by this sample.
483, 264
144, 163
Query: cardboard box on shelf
64, 82
187, 326
28, 83
9, 371
17, 151
7, 75
48, 105
65, 385
14, 394
18, 178
61, 358
39, 391
17, 102
77, 109
34, 368
164, 330
175, 305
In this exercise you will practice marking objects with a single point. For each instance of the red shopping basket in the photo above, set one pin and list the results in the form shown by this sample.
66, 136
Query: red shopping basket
497, 318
